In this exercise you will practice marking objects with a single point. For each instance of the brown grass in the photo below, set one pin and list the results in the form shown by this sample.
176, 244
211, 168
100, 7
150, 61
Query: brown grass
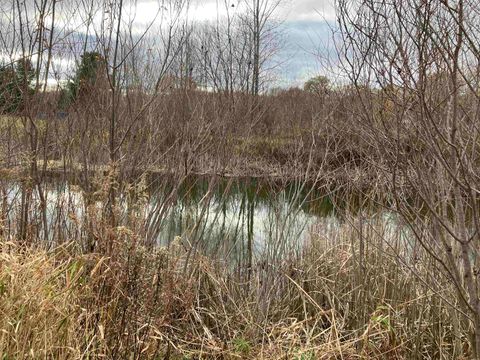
141, 304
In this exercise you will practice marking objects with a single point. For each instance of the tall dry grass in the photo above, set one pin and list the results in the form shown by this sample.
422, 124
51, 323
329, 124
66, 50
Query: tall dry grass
151, 304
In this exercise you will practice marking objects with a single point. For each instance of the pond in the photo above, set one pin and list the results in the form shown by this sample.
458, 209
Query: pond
227, 216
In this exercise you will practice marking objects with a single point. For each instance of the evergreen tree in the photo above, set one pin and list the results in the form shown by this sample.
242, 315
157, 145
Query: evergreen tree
15, 85
84, 80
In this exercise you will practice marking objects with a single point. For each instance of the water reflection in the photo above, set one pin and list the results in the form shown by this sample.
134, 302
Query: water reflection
231, 216
235, 214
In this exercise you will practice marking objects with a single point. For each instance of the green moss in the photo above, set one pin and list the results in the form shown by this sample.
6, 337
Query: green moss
242, 346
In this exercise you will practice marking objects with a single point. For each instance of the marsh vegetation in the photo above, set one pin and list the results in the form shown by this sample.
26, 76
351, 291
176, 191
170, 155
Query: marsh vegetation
163, 201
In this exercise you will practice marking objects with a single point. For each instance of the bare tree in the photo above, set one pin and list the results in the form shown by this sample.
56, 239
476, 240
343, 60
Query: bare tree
415, 67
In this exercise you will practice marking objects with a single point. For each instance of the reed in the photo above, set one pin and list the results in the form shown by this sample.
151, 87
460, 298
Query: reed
142, 303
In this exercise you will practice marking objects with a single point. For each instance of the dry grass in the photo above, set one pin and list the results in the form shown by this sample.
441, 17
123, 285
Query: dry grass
143, 303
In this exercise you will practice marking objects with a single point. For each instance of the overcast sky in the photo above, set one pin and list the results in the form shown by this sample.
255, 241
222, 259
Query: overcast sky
306, 33
308, 39
305, 27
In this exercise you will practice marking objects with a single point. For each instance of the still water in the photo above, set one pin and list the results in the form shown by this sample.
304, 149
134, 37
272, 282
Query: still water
210, 213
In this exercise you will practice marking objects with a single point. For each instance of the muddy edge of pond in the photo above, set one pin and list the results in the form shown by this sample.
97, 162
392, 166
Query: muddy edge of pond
329, 182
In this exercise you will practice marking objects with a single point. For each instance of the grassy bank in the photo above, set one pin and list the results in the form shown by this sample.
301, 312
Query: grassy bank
177, 304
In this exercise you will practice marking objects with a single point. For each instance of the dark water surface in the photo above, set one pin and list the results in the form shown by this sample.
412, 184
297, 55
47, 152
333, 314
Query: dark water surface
211, 213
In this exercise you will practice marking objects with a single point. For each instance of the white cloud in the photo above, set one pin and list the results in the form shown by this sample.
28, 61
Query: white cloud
309, 10
289, 10
305, 36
